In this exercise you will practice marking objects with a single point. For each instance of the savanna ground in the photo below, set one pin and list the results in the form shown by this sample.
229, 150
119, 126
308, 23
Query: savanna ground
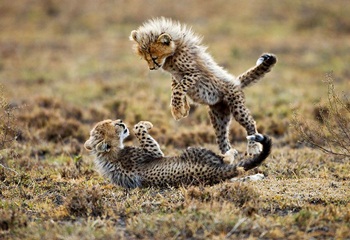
65, 65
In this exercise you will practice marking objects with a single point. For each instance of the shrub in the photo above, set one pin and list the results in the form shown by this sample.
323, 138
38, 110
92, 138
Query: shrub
331, 130
8, 131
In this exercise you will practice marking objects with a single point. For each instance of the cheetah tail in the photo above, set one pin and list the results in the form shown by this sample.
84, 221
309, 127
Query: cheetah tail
255, 161
254, 74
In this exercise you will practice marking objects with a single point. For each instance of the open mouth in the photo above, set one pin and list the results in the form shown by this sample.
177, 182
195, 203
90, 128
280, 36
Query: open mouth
155, 67
154, 60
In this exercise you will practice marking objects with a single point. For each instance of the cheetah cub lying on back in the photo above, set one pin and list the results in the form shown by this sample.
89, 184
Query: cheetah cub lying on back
166, 44
146, 165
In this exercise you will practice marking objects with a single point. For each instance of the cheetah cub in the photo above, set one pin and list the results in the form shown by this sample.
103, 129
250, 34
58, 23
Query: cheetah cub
146, 165
173, 47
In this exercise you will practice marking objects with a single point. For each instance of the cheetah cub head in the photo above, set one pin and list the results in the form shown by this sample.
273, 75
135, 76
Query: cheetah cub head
107, 135
154, 48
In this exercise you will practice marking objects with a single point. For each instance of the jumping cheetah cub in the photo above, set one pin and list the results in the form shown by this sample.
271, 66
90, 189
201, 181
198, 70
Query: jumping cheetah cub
166, 44
146, 165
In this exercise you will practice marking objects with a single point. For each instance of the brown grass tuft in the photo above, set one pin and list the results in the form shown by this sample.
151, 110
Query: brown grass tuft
11, 220
237, 193
83, 203
58, 130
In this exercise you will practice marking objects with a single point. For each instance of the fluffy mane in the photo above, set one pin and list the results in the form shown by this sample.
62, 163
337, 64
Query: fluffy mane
151, 29
183, 36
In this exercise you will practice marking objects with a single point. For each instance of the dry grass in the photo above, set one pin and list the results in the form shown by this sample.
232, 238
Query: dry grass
330, 131
69, 64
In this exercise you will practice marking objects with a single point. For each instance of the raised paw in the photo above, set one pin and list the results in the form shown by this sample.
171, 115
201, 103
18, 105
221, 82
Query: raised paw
186, 106
230, 156
267, 58
179, 112
253, 146
142, 126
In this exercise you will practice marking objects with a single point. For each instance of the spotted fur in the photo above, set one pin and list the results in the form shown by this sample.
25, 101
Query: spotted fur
145, 166
173, 47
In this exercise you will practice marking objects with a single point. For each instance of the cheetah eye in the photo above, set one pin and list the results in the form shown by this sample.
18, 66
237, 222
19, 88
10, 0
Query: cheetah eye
154, 58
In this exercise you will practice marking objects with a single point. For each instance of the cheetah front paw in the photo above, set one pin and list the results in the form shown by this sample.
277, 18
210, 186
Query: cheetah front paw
230, 156
179, 112
253, 147
142, 126
267, 58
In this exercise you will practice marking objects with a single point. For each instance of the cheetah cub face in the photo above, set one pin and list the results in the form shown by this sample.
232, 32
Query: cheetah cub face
155, 52
107, 135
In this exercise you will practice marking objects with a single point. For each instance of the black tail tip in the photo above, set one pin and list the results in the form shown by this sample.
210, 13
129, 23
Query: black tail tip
256, 137
268, 58
259, 138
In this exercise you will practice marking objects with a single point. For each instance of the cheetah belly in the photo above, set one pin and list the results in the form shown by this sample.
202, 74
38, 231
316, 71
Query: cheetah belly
176, 173
204, 94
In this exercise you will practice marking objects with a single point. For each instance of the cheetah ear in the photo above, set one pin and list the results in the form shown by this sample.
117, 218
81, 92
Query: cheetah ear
133, 35
164, 38
103, 147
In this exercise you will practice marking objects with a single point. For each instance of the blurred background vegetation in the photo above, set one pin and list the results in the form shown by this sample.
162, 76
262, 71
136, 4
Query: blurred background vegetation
67, 64
77, 53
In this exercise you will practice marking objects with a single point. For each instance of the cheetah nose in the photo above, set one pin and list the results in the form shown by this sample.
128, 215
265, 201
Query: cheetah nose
152, 68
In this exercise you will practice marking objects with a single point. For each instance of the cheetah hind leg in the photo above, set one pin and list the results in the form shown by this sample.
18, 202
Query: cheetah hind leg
230, 156
254, 147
